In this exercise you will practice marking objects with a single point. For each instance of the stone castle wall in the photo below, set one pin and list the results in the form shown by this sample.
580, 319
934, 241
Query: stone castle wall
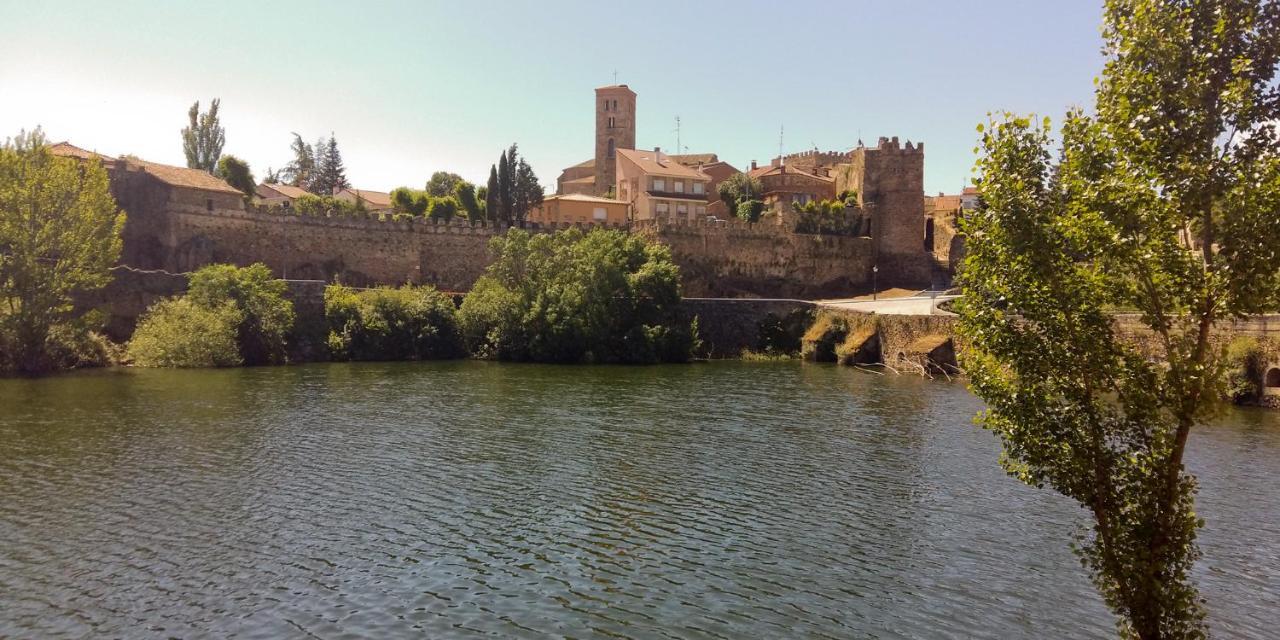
736, 259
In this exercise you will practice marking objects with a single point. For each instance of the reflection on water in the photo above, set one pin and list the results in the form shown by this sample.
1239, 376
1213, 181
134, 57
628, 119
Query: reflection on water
723, 500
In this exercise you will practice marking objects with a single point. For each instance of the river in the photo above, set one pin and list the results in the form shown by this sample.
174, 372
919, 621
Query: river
461, 499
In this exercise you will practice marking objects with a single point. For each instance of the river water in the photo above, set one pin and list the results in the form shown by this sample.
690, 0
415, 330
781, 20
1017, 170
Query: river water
723, 500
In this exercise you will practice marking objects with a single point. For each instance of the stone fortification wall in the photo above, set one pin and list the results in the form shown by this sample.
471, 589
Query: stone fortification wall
356, 251
728, 258
726, 327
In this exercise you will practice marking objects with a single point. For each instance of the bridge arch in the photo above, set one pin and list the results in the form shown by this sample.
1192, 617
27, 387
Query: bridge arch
1272, 378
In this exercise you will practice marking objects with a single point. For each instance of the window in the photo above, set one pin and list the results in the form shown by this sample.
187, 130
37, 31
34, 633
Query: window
208, 203
683, 210
600, 214
661, 207
615, 105
606, 105
610, 147
699, 188
679, 186
659, 184
702, 211
611, 125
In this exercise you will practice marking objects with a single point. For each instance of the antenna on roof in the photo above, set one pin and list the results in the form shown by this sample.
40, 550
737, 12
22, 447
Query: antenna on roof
677, 134
781, 130
615, 76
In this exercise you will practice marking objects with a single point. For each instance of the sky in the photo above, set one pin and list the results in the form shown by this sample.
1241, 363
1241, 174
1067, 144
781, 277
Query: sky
409, 88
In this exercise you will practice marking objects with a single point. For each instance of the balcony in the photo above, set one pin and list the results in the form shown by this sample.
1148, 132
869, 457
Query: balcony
672, 195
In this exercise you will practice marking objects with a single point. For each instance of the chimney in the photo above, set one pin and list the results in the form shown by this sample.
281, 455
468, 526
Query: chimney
753, 165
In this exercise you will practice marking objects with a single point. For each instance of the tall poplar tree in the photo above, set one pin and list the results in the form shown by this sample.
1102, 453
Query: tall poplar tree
301, 170
203, 137
1165, 201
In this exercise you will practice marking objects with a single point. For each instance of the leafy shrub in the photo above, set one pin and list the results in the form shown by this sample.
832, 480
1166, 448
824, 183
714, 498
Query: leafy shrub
265, 315
1244, 361
820, 340
408, 323
602, 296
780, 336
181, 333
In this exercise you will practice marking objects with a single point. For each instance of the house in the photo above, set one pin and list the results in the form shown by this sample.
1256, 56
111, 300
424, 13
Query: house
578, 208
715, 169
281, 195
374, 201
784, 185
657, 186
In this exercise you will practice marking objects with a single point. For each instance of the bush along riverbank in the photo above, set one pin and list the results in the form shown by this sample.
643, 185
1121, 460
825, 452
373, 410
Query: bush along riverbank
597, 297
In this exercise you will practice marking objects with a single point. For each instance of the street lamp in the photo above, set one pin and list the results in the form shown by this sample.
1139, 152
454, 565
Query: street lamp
875, 287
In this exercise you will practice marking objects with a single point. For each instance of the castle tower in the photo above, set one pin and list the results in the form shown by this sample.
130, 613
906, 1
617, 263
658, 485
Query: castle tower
615, 129
890, 177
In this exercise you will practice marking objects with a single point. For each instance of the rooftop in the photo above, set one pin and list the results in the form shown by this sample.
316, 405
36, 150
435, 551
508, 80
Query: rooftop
661, 164
286, 190
580, 197
168, 174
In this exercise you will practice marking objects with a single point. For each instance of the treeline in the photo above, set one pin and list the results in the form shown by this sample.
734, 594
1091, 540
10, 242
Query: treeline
507, 198
603, 296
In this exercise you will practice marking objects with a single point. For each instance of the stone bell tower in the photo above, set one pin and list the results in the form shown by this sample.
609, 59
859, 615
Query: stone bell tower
615, 129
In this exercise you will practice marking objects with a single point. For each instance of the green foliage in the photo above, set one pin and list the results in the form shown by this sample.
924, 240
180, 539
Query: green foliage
739, 188
181, 333
750, 210
59, 234
827, 217
301, 170
465, 194
237, 174
443, 209
513, 188
849, 197
323, 206
330, 174
266, 317
443, 183
781, 336
603, 296
1164, 202
492, 206
1245, 363
203, 137
408, 323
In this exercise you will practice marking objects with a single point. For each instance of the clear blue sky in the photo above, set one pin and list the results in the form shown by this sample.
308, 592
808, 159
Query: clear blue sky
414, 87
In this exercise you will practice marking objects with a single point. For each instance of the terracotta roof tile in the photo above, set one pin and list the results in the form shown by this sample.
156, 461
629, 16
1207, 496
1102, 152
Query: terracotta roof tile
183, 177
286, 190
374, 198
694, 159
660, 164
582, 197
66, 149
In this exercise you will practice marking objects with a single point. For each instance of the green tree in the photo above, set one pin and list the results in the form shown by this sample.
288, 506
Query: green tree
738, 189
59, 234
203, 137
492, 193
237, 174
465, 194
301, 170
526, 192
603, 296
1165, 201
331, 174
505, 189
443, 183
266, 317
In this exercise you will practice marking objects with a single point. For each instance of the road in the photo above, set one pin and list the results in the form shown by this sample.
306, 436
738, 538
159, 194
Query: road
918, 305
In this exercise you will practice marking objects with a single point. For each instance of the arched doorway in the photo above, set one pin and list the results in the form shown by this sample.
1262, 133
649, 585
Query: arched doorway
1272, 379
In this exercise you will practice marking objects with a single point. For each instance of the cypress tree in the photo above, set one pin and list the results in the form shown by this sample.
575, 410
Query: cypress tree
504, 189
491, 204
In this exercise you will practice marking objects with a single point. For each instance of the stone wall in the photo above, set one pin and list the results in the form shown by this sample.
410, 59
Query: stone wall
737, 259
726, 327
356, 251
